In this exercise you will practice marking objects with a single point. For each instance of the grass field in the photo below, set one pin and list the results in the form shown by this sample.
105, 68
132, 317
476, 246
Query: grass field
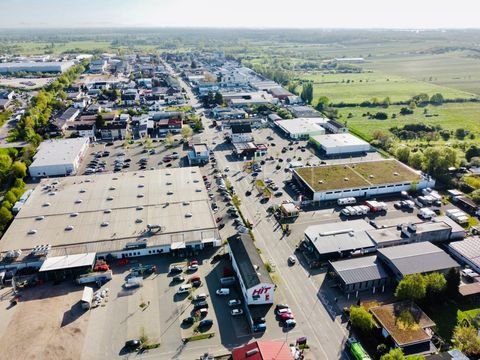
355, 88
450, 117
458, 70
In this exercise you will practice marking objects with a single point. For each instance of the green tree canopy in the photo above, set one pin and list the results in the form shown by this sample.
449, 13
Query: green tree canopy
186, 132
361, 318
19, 169
411, 287
397, 354
465, 339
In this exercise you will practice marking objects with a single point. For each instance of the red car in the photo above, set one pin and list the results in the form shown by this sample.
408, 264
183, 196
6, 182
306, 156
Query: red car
287, 316
193, 262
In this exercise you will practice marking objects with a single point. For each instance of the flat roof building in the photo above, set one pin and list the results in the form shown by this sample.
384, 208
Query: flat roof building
422, 257
340, 239
361, 179
123, 214
340, 144
40, 67
58, 157
302, 128
467, 251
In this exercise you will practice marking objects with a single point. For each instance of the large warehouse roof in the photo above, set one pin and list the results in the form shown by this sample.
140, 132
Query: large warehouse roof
356, 175
302, 125
339, 140
55, 152
422, 257
104, 212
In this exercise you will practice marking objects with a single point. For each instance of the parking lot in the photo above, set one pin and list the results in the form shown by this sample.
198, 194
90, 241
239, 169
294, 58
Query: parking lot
136, 155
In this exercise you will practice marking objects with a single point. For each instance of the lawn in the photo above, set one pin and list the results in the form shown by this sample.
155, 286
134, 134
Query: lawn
359, 87
450, 117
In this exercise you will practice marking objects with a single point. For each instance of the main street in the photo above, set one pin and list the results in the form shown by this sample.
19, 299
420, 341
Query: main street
316, 319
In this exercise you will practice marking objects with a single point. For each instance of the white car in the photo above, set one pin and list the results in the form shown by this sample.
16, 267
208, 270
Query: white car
234, 302
223, 291
193, 267
292, 259
236, 312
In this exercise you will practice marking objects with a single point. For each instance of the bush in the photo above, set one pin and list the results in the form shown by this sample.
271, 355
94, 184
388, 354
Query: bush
361, 318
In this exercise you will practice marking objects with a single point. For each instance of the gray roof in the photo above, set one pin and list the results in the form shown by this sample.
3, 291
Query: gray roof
340, 237
422, 257
58, 152
356, 270
250, 264
468, 249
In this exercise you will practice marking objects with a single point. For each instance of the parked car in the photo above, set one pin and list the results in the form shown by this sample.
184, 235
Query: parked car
262, 327
234, 302
205, 323
236, 312
176, 269
289, 324
199, 297
133, 345
184, 289
188, 321
178, 279
292, 259
286, 316
258, 320
223, 291
200, 305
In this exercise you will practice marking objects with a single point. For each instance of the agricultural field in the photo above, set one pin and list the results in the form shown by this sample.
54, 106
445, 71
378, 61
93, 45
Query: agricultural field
359, 87
448, 116
458, 70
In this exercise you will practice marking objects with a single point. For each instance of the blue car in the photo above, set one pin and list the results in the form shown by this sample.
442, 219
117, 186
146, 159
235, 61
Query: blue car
259, 327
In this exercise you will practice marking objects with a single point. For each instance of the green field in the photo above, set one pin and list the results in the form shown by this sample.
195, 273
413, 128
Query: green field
355, 88
459, 69
450, 117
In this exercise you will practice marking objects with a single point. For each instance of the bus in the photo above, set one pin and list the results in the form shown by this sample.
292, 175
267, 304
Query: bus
357, 350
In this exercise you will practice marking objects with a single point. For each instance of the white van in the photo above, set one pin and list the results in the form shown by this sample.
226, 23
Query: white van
223, 291
184, 289
347, 201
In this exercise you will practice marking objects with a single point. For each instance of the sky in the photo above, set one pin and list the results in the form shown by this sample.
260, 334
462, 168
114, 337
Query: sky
405, 14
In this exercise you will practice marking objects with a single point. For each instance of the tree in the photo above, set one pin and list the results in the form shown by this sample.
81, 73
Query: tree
19, 169
452, 282
186, 132
415, 160
465, 339
472, 151
435, 282
169, 139
397, 354
436, 99
460, 133
307, 92
322, 103
361, 318
437, 161
382, 139
403, 154
218, 98
5, 164
5, 216
411, 287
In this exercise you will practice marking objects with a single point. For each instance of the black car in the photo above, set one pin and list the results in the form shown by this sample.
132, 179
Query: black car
248, 193
196, 283
200, 305
176, 269
278, 194
258, 320
178, 278
188, 321
133, 345
205, 323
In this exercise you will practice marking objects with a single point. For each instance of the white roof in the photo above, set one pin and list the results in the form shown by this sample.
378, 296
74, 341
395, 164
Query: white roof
302, 125
68, 262
339, 140
58, 152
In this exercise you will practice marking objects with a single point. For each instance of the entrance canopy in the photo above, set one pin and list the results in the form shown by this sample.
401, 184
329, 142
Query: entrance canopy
68, 262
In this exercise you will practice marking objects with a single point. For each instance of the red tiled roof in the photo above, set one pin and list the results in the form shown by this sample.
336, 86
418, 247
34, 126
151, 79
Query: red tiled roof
266, 350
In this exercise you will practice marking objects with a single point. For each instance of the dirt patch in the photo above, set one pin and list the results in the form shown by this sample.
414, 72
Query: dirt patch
48, 323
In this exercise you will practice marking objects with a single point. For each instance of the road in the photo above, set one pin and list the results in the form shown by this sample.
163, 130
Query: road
326, 335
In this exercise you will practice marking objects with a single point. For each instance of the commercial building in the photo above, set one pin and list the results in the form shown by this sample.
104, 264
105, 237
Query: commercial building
360, 274
37, 67
255, 282
58, 157
340, 239
241, 133
302, 128
280, 93
120, 215
361, 179
467, 252
199, 155
339, 144
412, 340
300, 111
423, 258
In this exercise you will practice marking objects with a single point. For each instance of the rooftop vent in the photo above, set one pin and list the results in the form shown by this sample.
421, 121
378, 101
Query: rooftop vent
55, 183
140, 195
142, 176
109, 198
78, 201
75, 214
251, 352
194, 172
82, 191
195, 181
32, 232
138, 221
186, 203
188, 215
69, 228
46, 204
141, 185
41, 217
198, 190
169, 183
168, 174
112, 188
107, 211
170, 193
139, 207
104, 224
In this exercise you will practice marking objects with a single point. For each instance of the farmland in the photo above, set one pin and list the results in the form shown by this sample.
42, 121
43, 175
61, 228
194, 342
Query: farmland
358, 87
449, 117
